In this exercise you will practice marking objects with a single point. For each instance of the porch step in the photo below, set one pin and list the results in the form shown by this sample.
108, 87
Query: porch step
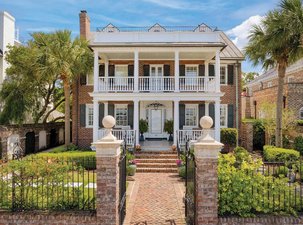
156, 156
155, 152
156, 170
152, 160
156, 165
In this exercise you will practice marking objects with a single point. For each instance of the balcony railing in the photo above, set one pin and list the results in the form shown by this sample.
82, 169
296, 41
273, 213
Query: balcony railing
184, 135
130, 135
156, 84
116, 84
197, 84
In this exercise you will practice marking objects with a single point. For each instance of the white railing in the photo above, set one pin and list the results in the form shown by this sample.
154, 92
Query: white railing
184, 135
156, 84
120, 135
197, 84
116, 84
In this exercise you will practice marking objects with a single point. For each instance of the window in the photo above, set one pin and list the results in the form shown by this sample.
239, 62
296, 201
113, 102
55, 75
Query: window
90, 78
191, 70
290, 79
223, 74
269, 84
223, 115
191, 115
121, 115
89, 115
121, 70
301, 113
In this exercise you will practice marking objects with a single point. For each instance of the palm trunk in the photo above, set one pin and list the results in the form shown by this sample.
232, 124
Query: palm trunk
281, 75
67, 111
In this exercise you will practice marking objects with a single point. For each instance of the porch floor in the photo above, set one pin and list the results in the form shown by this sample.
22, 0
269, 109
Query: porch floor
155, 145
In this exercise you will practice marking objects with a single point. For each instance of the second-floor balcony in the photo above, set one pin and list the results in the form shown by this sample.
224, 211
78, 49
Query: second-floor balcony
156, 84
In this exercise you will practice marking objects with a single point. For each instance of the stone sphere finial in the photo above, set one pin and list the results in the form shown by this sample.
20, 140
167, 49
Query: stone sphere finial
109, 122
206, 122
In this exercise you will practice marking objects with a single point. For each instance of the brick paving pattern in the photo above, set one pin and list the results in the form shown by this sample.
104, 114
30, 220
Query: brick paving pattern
158, 199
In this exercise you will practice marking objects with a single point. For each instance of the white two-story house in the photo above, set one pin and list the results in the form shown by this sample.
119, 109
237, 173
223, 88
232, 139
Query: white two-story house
157, 73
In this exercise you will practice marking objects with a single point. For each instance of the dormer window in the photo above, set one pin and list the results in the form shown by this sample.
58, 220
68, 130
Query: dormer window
157, 28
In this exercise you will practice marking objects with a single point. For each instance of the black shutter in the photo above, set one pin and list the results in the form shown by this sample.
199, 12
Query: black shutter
101, 70
212, 112
201, 70
82, 115
181, 116
230, 72
211, 70
166, 70
182, 70
101, 114
130, 112
82, 79
111, 110
230, 118
201, 112
146, 70
111, 70
130, 70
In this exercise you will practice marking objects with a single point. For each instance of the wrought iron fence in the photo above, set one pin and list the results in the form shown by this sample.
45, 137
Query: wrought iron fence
190, 195
34, 183
122, 183
272, 187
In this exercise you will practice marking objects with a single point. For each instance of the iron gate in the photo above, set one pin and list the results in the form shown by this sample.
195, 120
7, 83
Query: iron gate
122, 185
190, 195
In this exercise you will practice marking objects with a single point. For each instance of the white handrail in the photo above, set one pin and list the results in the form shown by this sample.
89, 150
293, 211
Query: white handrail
120, 135
117, 84
184, 135
156, 84
206, 84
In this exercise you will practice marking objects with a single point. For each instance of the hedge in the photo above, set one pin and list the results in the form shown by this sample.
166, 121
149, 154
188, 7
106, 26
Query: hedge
85, 159
274, 154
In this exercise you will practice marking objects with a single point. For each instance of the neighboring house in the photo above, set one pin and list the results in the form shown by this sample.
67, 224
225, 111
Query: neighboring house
7, 37
264, 89
157, 73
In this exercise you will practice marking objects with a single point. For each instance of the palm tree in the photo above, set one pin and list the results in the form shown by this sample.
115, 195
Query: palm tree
278, 42
68, 59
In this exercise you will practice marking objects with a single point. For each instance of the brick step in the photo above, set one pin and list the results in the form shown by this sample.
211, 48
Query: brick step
157, 170
156, 165
151, 160
156, 156
155, 152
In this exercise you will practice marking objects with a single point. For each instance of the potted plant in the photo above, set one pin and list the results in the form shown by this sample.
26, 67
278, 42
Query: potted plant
143, 127
169, 128
131, 169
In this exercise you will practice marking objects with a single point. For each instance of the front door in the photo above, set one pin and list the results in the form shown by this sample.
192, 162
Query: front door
156, 128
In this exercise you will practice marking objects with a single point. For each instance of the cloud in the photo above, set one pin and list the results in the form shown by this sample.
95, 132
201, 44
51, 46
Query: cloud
240, 33
253, 9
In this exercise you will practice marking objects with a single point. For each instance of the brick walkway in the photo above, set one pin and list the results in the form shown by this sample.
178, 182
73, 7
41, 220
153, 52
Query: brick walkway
156, 198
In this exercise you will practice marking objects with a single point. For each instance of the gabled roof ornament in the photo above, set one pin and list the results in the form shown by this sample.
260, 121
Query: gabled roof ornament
110, 28
203, 28
156, 28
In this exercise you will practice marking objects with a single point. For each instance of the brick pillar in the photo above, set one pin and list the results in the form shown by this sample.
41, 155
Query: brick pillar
206, 157
108, 151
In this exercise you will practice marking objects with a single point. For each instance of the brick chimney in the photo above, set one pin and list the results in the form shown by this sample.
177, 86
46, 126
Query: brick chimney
84, 24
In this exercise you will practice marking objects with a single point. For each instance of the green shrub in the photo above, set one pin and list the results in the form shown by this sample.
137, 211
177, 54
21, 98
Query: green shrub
241, 155
274, 154
131, 170
69, 148
300, 122
143, 126
182, 171
298, 144
281, 171
229, 137
84, 159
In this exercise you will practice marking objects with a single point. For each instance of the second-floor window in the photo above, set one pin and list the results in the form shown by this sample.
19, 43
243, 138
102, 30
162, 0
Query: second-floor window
121, 70
121, 115
223, 74
191, 71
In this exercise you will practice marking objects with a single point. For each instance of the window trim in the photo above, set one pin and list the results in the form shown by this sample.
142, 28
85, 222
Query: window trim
289, 78
192, 65
121, 65
269, 84
115, 113
185, 127
226, 115
87, 107
226, 74
87, 80
156, 65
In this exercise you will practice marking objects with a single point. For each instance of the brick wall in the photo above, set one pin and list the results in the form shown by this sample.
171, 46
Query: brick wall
247, 136
261, 220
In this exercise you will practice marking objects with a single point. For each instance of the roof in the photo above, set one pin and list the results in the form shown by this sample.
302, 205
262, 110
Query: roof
273, 72
231, 51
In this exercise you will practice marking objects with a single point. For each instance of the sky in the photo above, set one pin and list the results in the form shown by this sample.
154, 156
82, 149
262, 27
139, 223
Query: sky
235, 17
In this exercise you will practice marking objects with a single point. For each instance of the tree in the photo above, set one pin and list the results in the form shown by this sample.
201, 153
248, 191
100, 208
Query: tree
68, 59
26, 91
278, 42
247, 77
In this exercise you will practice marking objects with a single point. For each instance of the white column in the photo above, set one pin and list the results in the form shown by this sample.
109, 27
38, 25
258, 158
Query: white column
136, 119
136, 71
206, 108
96, 70
177, 71
96, 120
176, 120
106, 67
105, 108
217, 120
206, 69
217, 71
